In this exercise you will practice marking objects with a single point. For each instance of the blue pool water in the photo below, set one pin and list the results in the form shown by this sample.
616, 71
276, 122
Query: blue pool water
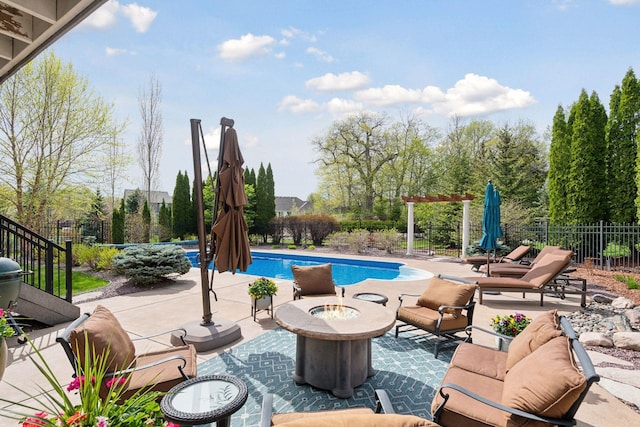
346, 271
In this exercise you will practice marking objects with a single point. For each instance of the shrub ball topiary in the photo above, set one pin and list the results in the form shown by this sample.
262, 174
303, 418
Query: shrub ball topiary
148, 264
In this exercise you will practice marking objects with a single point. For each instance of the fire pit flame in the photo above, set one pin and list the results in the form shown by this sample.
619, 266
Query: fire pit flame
334, 311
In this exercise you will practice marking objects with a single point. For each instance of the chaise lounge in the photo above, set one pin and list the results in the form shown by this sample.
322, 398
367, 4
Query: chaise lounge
540, 279
512, 257
518, 269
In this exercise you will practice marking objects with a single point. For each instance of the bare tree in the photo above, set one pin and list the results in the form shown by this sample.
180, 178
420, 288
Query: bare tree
116, 160
150, 138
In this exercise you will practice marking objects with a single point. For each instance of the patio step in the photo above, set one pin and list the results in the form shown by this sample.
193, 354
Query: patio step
38, 305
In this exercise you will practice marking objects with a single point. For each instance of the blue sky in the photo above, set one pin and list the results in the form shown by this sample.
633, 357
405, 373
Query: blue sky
285, 70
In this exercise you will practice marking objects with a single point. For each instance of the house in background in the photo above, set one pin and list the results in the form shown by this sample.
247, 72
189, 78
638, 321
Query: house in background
156, 199
286, 206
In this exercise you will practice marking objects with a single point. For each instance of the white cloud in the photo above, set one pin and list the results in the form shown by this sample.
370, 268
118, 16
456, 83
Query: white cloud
112, 51
246, 46
297, 105
140, 17
343, 81
624, 2
320, 54
341, 107
280, 55
107, 16
394, 94
479, 95
295, 33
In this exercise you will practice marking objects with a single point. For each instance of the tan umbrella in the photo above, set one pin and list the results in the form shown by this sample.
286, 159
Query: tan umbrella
232, 249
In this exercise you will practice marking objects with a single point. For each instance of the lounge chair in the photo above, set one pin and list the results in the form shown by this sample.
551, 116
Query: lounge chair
515, 255
384, 415
314, 281
444, 309
156, 370
540, 279
518, 269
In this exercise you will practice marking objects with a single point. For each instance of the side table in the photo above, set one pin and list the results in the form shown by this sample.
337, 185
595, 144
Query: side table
372, 297
206, 399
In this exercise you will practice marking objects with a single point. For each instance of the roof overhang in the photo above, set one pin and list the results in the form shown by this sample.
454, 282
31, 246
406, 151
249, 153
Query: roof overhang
27, 27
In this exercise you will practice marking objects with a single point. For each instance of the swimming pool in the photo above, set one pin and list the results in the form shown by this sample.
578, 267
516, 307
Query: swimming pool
346, 271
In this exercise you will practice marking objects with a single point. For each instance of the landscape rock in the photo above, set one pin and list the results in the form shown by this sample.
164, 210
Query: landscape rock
627, 340
634, 318
596, 338
602, 299
622, 302
618, 323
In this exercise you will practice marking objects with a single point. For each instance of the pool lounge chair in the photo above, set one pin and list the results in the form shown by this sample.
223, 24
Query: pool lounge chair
514, 256
518, 269
540, 279
314, 281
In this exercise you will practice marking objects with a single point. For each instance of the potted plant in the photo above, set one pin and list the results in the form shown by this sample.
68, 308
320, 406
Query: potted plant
6, 331
509, 326
261, 291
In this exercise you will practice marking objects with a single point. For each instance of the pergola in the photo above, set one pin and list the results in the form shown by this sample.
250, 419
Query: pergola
465, 199
27, 27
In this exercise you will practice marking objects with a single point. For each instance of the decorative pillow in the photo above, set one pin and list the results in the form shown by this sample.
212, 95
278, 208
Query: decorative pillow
546, 382
314, 279
542, 328
360, 420
443, 292
105, 335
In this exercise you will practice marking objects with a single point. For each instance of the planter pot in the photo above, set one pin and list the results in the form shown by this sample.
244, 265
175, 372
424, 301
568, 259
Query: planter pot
4, 351
502, 344
263, 303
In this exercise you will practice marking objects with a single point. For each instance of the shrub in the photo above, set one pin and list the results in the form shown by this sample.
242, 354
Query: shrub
320, 226
386, 240
292, 247
148, 264
95, 257
616, 250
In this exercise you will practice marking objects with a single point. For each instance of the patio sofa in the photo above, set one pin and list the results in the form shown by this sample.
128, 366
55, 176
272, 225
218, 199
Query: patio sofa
540, 381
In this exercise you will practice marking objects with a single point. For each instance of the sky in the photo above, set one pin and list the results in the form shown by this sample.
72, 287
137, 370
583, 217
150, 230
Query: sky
284, 71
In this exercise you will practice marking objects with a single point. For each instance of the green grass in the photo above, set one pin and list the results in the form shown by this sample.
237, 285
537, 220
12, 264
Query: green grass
81, 282
630, 281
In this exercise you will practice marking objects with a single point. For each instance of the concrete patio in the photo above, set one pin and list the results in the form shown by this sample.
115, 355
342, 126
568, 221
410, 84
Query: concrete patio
179, 303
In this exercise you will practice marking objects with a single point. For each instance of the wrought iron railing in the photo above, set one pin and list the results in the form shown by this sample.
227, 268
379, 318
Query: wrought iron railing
49, 264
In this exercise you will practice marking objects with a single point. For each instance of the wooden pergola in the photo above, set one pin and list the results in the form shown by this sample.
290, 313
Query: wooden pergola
465, 199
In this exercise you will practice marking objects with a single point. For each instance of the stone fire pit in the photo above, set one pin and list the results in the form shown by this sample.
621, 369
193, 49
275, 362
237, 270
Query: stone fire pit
334, 353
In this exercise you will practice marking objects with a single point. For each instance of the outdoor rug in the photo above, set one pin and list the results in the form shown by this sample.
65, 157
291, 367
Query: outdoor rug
405, 368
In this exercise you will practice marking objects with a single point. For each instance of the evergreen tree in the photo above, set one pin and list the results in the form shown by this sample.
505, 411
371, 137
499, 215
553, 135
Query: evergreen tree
92, 220
181, 206
271, 194
164, 223
193, 223
117, 224
262, 204
134, 199
587, 185
146, 220
621, 150
559, 163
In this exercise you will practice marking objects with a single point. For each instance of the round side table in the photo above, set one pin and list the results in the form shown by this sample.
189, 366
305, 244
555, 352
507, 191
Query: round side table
206, 399
373, 297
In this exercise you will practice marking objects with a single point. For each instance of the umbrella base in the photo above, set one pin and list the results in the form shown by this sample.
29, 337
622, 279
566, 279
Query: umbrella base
204, 338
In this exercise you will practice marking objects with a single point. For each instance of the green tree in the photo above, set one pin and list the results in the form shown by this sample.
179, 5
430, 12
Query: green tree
270, 201
262, 203
92, 220
146, 220
621, 134
117, 224
181, 206
164, 223
559, 166
134, 199
587, 186
51, 127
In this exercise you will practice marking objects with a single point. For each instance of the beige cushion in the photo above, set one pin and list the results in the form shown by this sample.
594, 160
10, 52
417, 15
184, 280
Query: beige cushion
286, 417
541, 330
481, 360
546, 382
360, 420
443, 292
314, 279
427, 318
548, 267
105, 335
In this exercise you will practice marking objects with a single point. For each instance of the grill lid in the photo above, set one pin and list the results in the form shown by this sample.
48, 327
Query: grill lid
9, 268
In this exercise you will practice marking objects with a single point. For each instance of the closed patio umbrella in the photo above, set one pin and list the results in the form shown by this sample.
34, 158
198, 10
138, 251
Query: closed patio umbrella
491, 230
232, 251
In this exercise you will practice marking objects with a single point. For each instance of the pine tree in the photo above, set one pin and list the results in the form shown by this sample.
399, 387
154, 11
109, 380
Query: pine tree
181, 206
164, 223
271, 194
586, 195
621, 150
146, 220
117, 224
559, 164
262, 204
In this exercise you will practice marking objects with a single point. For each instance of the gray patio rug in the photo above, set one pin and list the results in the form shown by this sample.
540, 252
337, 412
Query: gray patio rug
405, 368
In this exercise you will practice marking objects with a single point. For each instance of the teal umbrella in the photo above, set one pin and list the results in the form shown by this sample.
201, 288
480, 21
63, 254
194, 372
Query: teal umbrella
491, 230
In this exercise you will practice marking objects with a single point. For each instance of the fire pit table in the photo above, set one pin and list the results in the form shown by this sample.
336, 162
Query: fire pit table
333, 348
